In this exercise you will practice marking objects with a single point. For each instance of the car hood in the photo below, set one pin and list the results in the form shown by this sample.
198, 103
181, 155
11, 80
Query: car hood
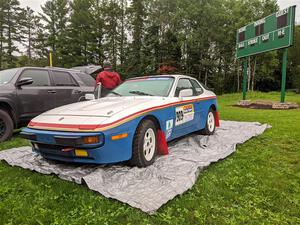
6, 86
104, 107
91, 115
6, 89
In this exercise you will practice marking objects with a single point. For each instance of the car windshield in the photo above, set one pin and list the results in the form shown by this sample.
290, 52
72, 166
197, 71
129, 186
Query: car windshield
150, 86
7, 75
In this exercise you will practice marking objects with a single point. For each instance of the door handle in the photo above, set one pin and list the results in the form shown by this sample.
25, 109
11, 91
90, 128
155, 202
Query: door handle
51, 91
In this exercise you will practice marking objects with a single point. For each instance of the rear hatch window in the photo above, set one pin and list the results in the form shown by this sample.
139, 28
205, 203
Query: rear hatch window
86, 79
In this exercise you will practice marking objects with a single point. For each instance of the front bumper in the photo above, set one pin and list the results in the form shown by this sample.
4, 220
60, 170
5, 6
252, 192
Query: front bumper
63, 146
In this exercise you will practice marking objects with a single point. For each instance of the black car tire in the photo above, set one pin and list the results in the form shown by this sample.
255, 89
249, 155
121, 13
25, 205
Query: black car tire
210, 125
144, 147
6, 126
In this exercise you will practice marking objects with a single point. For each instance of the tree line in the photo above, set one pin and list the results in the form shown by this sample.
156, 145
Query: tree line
141, 37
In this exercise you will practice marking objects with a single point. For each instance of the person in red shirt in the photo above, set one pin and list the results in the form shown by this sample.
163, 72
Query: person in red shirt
108, 79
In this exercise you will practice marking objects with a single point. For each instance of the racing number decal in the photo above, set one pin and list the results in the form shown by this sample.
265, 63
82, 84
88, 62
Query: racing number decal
179, 115
184, 114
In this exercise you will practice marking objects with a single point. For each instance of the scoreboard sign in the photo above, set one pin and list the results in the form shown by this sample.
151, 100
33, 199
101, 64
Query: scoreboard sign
275, 31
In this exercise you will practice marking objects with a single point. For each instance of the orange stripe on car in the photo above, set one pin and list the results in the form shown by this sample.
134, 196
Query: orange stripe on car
103, 127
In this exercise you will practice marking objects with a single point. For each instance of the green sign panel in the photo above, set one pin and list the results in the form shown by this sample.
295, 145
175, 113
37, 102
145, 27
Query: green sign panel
272, 32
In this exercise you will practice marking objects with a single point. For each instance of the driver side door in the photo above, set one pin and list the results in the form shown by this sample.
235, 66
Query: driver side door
187, 114
35, 98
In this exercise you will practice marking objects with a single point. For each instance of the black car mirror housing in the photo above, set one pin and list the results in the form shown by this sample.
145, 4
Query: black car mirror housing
24, 81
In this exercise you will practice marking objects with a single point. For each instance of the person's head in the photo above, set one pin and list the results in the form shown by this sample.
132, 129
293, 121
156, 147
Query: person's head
107, 66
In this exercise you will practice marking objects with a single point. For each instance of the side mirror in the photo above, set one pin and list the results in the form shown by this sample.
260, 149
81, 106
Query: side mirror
185, 93
89, 96
24, 81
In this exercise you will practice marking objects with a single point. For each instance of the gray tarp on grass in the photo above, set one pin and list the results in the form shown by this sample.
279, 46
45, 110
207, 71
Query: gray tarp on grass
147, 188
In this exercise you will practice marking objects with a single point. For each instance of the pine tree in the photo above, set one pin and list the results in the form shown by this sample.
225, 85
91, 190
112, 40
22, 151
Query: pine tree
122, 31
81, 34
30, 24
40, 44
97, 32
137, 11
10, 31
55, 16
2, 28
115, 39
111, 18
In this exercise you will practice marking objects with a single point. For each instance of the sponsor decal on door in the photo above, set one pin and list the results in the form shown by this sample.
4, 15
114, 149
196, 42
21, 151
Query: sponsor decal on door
169, 128
184, 114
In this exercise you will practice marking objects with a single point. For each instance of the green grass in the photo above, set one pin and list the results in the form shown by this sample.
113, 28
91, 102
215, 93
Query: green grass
259, 184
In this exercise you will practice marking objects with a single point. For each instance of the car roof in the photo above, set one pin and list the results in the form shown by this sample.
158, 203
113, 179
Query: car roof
62, 69
49, 68
162, 75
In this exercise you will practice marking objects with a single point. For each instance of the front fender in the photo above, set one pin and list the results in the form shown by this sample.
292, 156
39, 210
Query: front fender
12, 107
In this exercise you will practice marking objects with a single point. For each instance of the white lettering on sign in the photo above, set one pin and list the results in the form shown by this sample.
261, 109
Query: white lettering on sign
282, 12
265, 37
259, 22
253, 41
241, 45
242, 29
281, 33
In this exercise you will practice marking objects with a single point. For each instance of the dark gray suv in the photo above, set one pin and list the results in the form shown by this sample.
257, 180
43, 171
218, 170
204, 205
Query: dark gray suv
26, 92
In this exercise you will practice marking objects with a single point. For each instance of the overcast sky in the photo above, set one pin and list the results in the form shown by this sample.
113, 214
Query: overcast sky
36, 5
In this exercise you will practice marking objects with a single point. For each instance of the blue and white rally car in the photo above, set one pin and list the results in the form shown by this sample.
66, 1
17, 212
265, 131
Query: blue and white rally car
131, 124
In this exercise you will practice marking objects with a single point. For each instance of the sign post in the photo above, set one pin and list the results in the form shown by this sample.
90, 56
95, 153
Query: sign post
50, 59
245, 78
283, 81
273, 32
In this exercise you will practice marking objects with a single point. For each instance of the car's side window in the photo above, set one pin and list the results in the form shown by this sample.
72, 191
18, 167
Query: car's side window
63, 79
39, 77
183, 83
197, 88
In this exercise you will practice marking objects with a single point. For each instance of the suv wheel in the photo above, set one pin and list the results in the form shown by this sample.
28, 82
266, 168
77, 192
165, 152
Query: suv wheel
6, 126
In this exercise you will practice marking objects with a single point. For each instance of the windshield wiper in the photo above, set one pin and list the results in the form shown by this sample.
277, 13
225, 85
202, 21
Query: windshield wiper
139, 93
116, 93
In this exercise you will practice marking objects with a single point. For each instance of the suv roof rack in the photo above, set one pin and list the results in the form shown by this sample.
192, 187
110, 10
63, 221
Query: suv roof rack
59, 68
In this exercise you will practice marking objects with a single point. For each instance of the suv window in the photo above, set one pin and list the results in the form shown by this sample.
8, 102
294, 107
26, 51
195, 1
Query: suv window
86, 79
197, 87
63, 79
7, 75
39, 77
183, 83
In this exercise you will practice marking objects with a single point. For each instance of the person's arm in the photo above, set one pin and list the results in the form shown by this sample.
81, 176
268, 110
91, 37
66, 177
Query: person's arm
98, 79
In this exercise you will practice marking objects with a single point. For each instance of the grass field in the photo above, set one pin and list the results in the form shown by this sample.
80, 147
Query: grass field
259, 184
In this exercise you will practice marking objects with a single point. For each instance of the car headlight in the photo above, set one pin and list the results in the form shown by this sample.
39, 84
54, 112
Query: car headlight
77, 141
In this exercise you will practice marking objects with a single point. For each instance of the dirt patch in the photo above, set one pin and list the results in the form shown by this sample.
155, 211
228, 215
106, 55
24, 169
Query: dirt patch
264, 104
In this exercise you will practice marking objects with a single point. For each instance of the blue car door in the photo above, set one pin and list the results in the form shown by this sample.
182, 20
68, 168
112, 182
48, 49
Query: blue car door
200, 111
187, 114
